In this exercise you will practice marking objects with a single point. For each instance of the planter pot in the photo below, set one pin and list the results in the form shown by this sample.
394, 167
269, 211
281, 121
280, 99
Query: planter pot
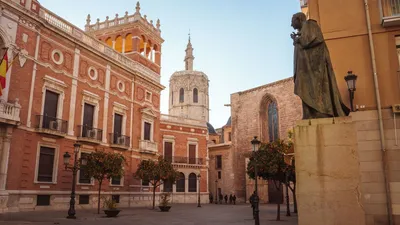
112, 212
164, 208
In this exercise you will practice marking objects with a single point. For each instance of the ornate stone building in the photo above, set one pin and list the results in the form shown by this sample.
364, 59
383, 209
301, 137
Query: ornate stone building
100, 87
189, 91
269, 112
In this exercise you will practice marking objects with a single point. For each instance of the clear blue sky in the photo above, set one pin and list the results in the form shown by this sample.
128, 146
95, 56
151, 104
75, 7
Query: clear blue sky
238, 44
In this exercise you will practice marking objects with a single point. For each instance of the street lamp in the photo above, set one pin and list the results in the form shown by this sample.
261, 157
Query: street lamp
351, 79
198, 201
74, 168
256, 144
216, 191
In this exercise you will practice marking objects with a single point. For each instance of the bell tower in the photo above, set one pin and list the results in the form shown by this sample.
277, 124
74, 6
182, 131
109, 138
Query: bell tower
188, 96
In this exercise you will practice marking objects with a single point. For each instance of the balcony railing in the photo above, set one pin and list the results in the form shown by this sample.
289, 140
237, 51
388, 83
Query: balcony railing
90, 134
119, 141
51, 125
9, 112
390, 10
184, 160
148, 146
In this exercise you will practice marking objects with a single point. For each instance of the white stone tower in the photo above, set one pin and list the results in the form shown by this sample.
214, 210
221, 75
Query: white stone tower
188, 95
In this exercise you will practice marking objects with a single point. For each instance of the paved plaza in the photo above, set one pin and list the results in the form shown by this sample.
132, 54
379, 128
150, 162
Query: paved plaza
183, 214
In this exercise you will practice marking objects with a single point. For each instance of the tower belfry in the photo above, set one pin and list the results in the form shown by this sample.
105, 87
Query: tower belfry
189, 56
189, 91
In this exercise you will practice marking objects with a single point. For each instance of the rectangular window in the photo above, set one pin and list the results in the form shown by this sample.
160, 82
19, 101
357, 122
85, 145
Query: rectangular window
50, 110
117, 128
116, 181
46, 164
88, 117
43, 200
168, 151
230, 136
83, 176
115, 198
218, 164
83, 199
147, 131
219, 174
192, 154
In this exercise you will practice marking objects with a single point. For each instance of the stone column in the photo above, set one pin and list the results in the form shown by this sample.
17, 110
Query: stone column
151, 53
5, 154
157, 58
145, 49
135, 44
113, 44
123, 45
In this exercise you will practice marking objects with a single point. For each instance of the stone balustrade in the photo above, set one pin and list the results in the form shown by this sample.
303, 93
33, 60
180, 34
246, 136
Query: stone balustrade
9, 112
148, 146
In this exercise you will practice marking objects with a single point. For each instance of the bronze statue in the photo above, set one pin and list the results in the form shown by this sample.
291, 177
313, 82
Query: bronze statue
314, 78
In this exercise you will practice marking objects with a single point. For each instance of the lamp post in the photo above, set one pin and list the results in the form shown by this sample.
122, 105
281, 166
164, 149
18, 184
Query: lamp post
256, 144
351, 79
216, 192
198, 200
74, 168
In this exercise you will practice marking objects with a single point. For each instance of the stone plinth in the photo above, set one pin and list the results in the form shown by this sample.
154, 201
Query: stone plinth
327, 170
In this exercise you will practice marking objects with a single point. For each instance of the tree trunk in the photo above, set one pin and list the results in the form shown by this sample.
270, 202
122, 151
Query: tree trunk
98, 198
294, 198
287, 200
154, 195
278, 212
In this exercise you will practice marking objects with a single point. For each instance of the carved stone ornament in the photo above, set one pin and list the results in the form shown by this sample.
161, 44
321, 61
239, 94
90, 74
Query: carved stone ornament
22, 57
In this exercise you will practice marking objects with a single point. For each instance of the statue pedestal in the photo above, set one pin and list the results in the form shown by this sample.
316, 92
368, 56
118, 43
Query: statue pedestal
327, 169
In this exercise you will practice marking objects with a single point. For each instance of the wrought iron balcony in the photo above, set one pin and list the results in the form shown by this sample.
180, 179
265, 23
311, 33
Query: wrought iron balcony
184, 160
90, 134
148, 147
390, 11
119, 141
9, 112
51, 125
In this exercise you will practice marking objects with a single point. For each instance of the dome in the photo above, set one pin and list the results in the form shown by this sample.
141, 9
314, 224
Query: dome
211, 129
229, 123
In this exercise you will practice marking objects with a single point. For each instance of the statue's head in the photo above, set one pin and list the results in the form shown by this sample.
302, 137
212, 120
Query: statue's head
298, 19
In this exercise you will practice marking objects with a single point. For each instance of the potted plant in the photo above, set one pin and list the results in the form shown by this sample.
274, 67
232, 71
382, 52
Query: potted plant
164, 202
111, 207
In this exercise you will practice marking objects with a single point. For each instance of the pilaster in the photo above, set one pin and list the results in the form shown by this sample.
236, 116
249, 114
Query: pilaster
106, 98
71, 120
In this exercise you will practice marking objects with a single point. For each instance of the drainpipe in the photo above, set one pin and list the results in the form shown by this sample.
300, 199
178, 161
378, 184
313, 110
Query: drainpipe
378, 103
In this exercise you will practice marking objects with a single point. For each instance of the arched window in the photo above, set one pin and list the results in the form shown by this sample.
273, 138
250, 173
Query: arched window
109, 42
192, 182
168, 186
273, 122
118, 44
180, 183
128, 43
181, 95
195, 95
172, 97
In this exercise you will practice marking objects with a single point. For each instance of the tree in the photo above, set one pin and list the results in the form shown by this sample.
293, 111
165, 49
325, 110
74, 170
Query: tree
156, 172
270, 165
104, 165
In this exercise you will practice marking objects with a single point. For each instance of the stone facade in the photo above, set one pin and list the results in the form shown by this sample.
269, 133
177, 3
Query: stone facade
116, 80
249, 110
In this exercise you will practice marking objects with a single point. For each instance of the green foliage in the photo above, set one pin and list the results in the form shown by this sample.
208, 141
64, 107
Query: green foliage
156, 172
165, 199
102, 165
270, 161
109, 203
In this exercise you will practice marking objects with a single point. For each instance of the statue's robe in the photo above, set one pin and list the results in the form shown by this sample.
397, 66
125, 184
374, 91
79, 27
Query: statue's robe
315, 81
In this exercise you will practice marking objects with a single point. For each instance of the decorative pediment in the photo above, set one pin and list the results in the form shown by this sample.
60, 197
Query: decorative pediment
148, 112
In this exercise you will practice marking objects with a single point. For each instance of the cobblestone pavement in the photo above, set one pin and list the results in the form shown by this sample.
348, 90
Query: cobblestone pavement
180, 214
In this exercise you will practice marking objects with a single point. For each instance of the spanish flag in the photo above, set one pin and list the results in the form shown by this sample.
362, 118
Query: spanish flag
3, 72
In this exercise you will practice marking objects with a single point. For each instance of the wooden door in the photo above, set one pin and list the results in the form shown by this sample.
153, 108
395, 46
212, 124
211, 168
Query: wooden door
50, 108
117, 127
168, 151
192, 154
